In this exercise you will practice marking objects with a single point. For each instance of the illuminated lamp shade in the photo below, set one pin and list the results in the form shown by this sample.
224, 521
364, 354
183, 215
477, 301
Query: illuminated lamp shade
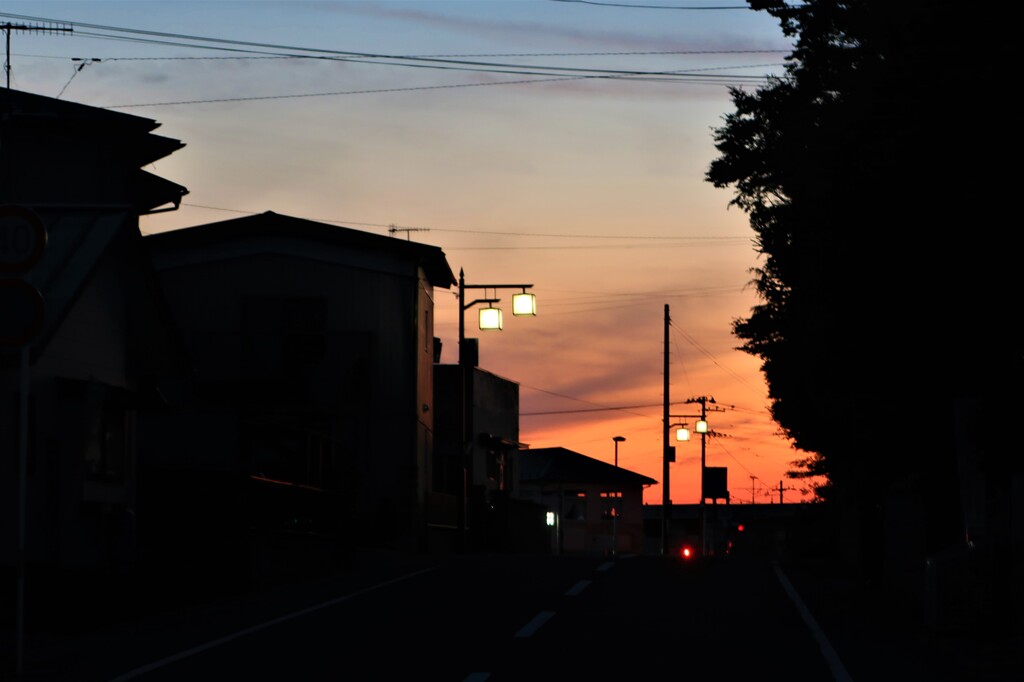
682, 434
702, 426
524, 304
490, 318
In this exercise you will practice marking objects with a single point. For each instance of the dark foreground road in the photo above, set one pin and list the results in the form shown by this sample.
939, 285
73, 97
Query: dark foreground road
498, 618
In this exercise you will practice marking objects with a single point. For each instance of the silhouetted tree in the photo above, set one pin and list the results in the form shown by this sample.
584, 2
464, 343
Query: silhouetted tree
874, 173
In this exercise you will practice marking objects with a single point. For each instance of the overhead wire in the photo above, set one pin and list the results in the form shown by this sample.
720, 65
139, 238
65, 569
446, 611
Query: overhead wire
251, 49
510, 233
326, 53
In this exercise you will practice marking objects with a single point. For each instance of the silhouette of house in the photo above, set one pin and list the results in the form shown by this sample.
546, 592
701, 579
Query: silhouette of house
596, 507
100, 341
306, 427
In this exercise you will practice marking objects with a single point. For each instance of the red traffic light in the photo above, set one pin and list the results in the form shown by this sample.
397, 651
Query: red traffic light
686, 552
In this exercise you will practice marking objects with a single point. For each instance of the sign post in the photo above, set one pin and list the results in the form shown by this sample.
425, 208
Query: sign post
22, 242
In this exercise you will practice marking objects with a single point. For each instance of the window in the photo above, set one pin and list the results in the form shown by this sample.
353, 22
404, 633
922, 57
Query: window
575, 505
611, 504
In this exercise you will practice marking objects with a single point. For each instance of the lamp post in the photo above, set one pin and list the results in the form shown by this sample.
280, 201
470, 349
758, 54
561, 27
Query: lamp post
616, 501
523, 303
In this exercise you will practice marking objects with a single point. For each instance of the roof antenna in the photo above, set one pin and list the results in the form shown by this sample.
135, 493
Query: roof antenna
8, 27
392, 228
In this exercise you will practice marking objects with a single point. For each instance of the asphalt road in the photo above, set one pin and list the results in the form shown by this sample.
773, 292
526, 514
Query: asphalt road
499, 618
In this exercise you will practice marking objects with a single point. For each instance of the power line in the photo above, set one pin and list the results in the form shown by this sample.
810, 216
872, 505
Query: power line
544, 73
359, 92
671, 7
507, 233
346, 54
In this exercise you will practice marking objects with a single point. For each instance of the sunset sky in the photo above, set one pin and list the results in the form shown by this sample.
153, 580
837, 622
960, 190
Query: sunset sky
550, 142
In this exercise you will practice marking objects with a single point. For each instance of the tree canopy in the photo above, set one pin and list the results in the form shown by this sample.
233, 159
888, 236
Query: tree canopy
876, 176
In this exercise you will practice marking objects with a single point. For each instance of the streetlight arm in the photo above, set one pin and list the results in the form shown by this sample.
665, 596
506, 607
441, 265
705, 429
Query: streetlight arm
497, 286
469, 305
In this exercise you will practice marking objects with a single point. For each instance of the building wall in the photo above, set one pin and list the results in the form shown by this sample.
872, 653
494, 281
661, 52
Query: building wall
318, 366
583, 523
80, 508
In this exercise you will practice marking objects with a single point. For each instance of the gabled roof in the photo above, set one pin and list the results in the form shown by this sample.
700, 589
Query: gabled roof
275, 225
60, 152
16, 104
560, 465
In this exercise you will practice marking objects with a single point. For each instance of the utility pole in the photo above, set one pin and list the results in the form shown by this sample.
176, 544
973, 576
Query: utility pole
781, 489
665, 501
753, 487
28, 28
703, 429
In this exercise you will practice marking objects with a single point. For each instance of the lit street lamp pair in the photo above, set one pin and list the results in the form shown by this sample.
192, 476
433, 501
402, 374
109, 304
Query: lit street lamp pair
523, 303
683, 433
489, 317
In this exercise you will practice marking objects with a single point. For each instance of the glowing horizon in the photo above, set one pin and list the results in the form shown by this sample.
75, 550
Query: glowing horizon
589, 186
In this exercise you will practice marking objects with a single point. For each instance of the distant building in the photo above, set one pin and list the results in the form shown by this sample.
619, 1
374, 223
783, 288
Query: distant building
306, 427
595, 507
476, 501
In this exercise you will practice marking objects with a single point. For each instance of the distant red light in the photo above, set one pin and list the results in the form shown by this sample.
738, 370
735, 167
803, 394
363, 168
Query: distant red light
740, 527
686, 552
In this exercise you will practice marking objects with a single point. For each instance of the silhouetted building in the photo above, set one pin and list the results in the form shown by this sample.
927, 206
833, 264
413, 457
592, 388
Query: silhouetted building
474, 500
596, 507
306, 427
100, 340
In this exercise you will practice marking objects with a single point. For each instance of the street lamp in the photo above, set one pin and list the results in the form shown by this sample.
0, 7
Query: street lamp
617, 439
523, 303
616, 501
490, 318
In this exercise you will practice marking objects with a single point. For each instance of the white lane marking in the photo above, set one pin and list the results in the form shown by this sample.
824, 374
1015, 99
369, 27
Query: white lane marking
535, 624
255, 628
830, 655
578, 587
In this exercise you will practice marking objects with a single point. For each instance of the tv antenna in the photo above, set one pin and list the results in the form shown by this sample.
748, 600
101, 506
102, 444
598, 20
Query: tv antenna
395, 228
27, 28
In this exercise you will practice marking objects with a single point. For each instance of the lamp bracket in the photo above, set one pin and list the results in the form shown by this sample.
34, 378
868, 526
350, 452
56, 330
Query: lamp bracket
480, 300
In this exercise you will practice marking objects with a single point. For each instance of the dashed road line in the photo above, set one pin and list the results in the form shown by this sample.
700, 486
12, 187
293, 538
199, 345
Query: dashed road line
578, 587
535, 624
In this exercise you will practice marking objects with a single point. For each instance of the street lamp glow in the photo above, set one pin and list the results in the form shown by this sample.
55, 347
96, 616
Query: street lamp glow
490, 318
682, 433
701, 426
524, 304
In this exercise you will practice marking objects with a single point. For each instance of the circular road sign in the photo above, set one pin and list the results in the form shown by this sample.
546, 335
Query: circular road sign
22, 239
